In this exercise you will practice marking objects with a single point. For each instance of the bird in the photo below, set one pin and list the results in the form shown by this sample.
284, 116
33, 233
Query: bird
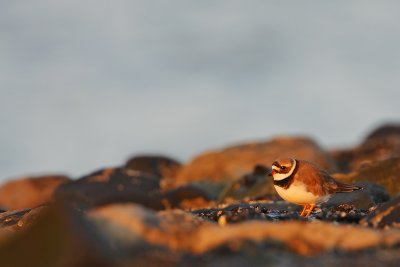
304, 183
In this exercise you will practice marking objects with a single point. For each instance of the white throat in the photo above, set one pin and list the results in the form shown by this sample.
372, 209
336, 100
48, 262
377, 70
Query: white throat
280, 176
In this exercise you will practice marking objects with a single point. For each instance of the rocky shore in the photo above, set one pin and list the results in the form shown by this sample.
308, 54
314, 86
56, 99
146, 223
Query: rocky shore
219, 209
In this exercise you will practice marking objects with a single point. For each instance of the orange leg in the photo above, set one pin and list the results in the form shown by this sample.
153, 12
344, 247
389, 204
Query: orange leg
310, 210
304, 209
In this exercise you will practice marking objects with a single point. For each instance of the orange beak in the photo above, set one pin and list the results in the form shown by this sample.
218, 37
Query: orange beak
272, 173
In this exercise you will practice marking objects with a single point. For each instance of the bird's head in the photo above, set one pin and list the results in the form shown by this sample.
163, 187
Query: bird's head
283, 168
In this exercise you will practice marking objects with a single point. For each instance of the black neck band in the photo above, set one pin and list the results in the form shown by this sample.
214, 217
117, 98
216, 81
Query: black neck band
285, 183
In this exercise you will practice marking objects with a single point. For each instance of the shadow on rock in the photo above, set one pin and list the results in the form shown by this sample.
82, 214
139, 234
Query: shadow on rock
118, 185
386, 215
369, 196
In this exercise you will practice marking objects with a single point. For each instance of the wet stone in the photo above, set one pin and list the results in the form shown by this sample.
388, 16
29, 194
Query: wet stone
344, 213
385, 215
10, 218
242, 212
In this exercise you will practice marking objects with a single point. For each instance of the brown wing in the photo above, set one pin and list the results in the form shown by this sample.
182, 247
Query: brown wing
321, 182
333, 186
342, 187
317, 181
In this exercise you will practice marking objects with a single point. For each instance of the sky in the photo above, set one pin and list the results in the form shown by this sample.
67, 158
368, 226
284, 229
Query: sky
87, 84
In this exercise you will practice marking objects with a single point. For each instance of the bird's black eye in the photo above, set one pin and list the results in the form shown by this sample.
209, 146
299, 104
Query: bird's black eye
283, 167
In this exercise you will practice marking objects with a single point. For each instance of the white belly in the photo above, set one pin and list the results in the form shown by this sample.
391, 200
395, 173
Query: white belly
297, 193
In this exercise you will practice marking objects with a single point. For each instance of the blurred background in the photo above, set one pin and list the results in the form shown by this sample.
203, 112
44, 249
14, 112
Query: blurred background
86, 84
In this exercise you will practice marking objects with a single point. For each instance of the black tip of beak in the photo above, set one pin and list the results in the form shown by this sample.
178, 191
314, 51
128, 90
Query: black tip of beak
270, 173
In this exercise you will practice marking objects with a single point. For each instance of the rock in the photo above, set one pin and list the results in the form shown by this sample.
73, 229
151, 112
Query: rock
384, 131
17, 220
119, 185
261, 254
231, 163
112, 185
369, 196
160, 166
381, 144
386, 215
239, 212
278, 211
29, 192
9, 221
343, 213
128, 224
188, 196
179, 231
252, 185
59, 237
385, 173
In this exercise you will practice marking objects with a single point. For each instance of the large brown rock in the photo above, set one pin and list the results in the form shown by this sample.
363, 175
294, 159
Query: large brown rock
385, 173
29, 192
381, 144
178, 231
233, 162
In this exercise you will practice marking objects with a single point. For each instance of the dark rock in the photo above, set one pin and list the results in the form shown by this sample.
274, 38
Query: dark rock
112, 185
385, 173
187, 196
259, 173
212, 189
233, 162
251, 185
343, 213
382, 144
119, 185
59, 237
386, 215
384, 131
160, 166
28, 192
280, 211
233, 213
367, 197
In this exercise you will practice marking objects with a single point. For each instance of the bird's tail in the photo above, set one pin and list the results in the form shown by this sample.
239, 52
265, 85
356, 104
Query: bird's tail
342, 187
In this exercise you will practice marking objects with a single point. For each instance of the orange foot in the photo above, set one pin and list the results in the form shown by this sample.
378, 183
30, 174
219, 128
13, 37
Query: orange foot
305, 207
310, 210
